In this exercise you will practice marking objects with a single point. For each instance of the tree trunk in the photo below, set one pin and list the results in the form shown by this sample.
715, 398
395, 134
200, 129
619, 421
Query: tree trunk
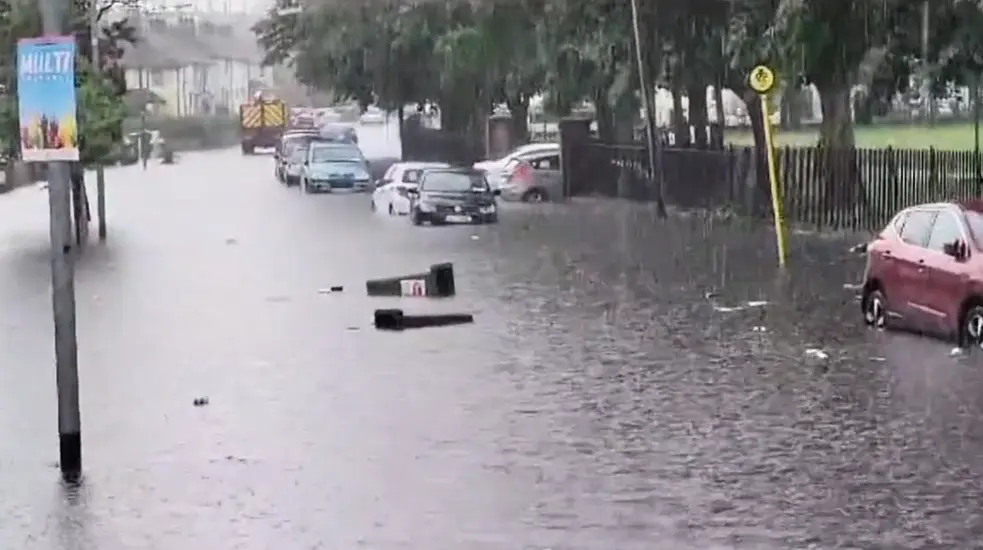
718, 98
604, 116
698, 119
519, 109
841, 178
679, 126
762, 196
836, 129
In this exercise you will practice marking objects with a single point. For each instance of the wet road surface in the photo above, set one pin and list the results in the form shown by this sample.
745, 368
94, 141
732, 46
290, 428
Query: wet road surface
616, 392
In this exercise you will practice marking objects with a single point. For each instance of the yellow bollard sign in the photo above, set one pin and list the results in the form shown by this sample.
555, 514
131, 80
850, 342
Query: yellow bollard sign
762, 81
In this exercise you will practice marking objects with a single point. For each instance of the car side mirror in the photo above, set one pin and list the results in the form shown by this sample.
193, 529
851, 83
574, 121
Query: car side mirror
496, 192
956, 249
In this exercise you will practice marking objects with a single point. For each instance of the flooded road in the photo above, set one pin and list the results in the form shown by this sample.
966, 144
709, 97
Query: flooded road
617, 390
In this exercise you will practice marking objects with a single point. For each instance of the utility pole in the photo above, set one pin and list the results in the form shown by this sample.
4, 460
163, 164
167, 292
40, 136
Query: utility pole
100, 171
648, 102
63, 288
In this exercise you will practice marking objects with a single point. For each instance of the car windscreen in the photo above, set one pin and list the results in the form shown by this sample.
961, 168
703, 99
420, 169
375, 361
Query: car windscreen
454, 182
335, 154
975, 222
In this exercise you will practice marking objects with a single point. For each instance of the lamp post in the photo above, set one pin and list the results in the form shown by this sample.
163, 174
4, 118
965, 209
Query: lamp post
648, 104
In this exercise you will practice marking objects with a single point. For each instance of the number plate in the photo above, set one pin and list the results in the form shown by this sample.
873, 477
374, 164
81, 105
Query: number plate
458, 219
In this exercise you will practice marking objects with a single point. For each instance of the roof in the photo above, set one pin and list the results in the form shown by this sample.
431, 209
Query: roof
172, 43
415, 164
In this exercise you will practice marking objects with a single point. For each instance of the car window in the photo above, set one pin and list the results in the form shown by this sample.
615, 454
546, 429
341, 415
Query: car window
455, 182
412, 176
917, 226
390, 172
898, 223
975, 221
946, 230
550, 162
511, 164
335, 154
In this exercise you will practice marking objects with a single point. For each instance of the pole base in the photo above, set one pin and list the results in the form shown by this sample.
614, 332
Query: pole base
70, 453
395, 319
436, 283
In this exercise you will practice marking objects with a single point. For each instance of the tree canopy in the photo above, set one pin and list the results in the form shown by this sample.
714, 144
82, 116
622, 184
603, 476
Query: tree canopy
469, 56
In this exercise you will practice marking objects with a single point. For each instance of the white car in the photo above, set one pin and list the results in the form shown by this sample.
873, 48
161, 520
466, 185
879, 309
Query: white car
391, 192
373, 115
294, 166
495, 169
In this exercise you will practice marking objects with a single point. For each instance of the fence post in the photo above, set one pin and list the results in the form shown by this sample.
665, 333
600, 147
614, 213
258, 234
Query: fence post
574, 134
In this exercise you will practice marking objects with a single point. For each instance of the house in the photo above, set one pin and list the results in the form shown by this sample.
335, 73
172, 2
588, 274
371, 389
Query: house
195, 64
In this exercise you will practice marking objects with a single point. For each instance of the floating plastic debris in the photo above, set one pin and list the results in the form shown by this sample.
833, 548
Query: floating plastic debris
475, 237
815, 353
200, 401
956, 352
759, 329
748, 305
852, 286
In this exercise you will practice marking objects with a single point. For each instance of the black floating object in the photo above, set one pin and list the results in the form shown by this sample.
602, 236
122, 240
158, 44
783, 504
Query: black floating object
337, 288
200, 401
395, 319
437, 283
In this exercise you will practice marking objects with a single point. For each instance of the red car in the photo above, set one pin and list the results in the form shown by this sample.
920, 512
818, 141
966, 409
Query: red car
925, 272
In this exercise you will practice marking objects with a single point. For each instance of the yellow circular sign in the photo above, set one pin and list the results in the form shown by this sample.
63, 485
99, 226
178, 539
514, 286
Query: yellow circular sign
762, 79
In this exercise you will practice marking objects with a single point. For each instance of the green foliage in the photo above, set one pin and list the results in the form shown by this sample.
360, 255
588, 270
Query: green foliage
473, 54
100, 114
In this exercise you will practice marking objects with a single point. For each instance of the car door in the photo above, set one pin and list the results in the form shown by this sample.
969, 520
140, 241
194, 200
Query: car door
948, 277
384, 188
909, 270
546, 174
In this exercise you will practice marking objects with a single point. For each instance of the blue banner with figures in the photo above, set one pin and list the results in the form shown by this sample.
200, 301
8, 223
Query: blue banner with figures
46, 99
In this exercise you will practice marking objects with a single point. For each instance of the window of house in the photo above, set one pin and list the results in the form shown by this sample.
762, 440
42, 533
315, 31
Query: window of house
157, 78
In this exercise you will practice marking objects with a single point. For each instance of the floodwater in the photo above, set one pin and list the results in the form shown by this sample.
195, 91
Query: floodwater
628, 384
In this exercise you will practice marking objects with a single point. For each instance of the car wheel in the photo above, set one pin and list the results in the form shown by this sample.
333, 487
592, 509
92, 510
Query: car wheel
971, 331
874, 307
391, 211
415, 218
372, 205
303, 185
534, 195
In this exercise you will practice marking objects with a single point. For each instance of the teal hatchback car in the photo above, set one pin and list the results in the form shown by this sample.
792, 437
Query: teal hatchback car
333, 167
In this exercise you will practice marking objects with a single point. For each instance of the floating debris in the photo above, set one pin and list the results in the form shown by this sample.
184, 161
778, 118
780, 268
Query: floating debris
475, 237
815, 353
759, 329
200, 401
748, 305
956, 352
331, 289
852, 286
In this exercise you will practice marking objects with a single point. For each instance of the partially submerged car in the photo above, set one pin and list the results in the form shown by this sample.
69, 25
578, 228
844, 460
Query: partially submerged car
925, 272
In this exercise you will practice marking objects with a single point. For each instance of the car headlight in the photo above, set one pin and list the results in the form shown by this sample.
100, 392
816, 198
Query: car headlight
425, 207
490, 209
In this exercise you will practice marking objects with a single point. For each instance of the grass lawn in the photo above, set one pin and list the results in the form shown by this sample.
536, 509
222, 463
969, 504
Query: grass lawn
947, 137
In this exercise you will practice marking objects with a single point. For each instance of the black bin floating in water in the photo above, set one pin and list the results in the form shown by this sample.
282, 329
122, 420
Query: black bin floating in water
437, 283
395, 319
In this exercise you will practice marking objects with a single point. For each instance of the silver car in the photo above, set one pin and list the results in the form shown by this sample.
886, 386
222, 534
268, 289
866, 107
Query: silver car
536, 178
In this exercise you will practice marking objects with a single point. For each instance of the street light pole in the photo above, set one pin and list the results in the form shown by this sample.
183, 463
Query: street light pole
100, 172
648, 103
63, 289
